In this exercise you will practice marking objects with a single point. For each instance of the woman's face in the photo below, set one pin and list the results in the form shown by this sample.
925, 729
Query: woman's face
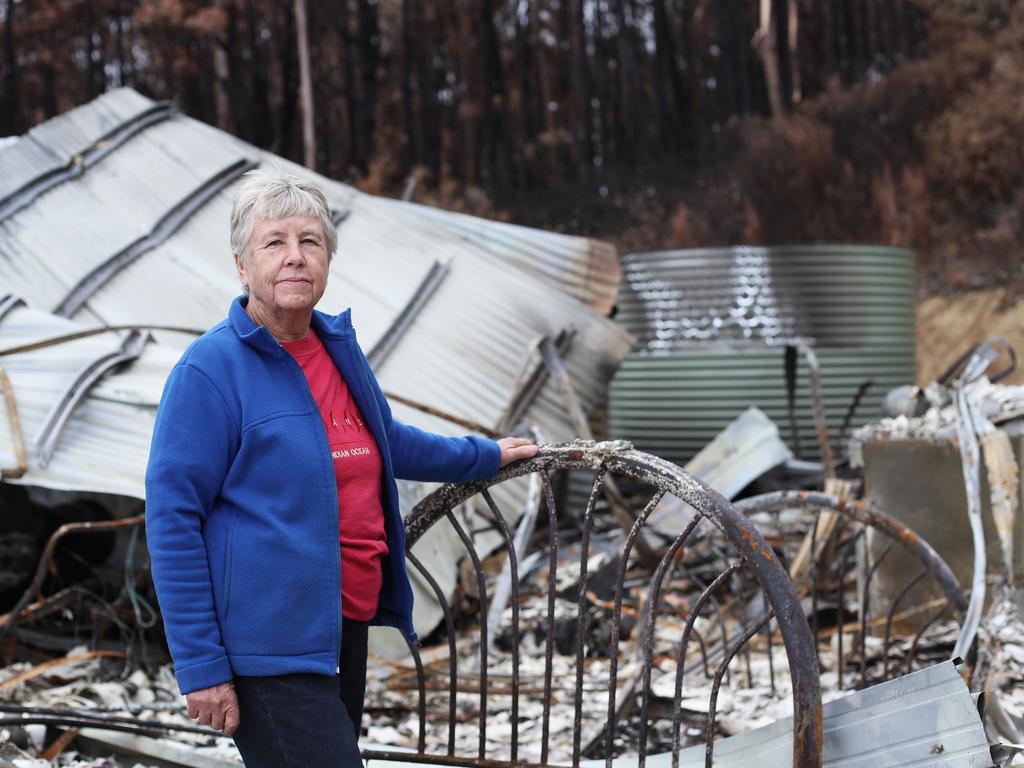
286, 267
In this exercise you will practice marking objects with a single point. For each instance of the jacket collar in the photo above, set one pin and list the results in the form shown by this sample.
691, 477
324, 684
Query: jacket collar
258, 336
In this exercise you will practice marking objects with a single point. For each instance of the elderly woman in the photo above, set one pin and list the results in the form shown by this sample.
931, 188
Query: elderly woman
271, 506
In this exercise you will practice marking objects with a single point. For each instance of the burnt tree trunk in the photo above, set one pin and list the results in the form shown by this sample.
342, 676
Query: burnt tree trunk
369, 55
305, 86
255, 107
767, 46
10, 115
584, 89
411, 155
635, 114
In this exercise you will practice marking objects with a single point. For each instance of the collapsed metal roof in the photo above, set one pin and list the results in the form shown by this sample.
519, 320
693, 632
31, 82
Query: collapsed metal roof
117, 213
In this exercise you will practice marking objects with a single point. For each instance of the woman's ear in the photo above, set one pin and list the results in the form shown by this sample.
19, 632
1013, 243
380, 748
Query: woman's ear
242, 277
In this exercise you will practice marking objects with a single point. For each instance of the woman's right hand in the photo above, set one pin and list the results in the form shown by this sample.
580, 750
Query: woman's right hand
216, 707
515, 448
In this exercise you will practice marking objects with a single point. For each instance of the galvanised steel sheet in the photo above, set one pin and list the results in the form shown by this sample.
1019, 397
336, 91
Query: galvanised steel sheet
712, 324
505, 288
839, 295
463, 352
55, 143
673, 405
584, 268
927, 718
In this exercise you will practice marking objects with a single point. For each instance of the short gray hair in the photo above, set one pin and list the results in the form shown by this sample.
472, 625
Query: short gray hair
275, 194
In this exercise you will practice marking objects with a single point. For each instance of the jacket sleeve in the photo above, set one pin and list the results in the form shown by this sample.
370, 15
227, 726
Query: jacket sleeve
428, 457
194, 440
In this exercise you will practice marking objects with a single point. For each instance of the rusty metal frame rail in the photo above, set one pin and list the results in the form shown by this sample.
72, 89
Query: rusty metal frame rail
531, 380
168, 224
86, 159
404, 320
9, 303
754, 556
931, 563
59, 413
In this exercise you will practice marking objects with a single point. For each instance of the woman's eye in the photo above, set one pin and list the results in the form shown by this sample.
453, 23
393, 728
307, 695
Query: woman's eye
273, 243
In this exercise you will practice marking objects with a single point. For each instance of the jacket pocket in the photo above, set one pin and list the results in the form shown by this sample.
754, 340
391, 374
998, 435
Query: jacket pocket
228, 561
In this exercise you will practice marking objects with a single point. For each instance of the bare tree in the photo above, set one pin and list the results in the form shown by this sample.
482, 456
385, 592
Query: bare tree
305, 85
765, 41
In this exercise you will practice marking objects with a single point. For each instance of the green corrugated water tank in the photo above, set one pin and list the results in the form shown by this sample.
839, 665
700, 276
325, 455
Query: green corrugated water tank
712, 325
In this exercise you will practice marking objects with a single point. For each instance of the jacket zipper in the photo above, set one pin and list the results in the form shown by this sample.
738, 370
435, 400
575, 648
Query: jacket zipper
334, 498
364, 385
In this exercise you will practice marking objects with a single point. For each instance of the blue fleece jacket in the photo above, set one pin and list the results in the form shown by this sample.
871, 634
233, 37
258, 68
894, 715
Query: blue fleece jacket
242, 506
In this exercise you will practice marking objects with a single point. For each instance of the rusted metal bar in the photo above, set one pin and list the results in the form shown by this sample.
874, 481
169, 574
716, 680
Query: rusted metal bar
814, 583
58, 415
892, 610
620, 459
616, 630
421, 691
453, 658
768, 643
407, 316
791, 370
42, 607
865, 609
709, 737
818, 410
851, 411
100, 716
649, 621
56, 747
582, 614
481, 583
691, 619
42, 669
154, 728
64, 338
920, 633
514, 568
35, 587
14, 419
457, 420
844, 568
169, 223
866, 514
549, 640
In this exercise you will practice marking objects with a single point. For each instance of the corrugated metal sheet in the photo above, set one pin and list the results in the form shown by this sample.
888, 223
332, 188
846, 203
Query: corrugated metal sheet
584, 268
927, 718
673, 405
105, 445
712, 323
839, 295
56, 143
462, 354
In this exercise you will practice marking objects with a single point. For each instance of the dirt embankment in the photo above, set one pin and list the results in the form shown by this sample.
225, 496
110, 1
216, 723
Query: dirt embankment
948, 325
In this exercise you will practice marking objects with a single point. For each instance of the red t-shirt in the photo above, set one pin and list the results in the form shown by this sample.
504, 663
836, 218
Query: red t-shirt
357, 470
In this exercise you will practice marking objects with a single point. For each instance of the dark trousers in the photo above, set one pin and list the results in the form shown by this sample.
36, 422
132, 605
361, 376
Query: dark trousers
306, 720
